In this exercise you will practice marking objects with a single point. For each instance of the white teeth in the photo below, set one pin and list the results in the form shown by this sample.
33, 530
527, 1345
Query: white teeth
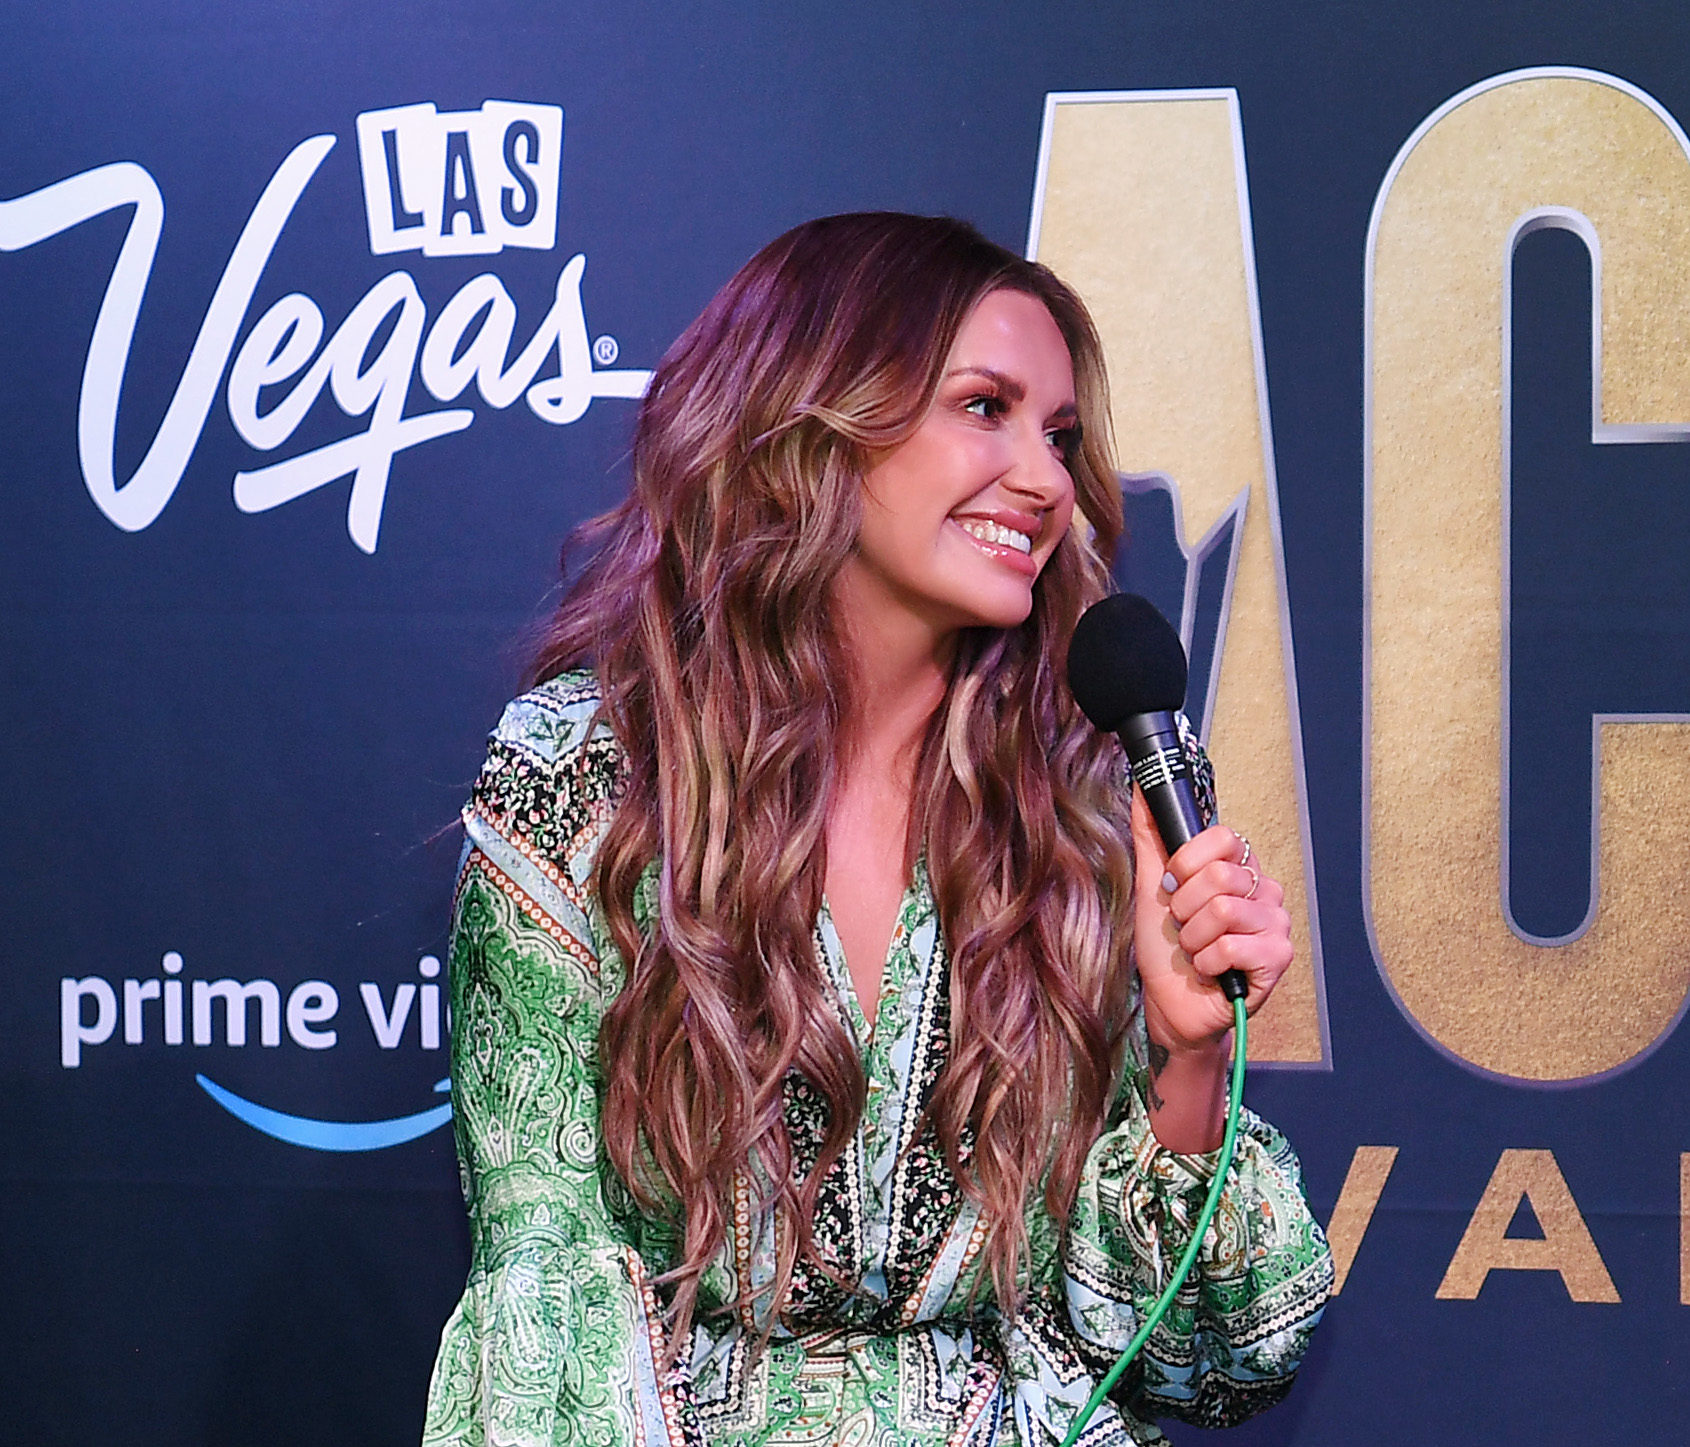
990, 532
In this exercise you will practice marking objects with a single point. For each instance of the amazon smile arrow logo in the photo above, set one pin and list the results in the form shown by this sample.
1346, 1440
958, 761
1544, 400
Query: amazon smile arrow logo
331, 1135
172, 1010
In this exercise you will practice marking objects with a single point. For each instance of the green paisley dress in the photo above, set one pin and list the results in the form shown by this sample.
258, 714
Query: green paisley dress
559, 1337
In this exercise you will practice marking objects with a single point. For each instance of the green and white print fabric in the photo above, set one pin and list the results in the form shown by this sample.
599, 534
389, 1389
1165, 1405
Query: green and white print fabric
559, 1336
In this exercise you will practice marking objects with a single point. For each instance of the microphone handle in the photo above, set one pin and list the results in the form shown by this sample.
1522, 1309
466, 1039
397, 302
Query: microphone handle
1159, 767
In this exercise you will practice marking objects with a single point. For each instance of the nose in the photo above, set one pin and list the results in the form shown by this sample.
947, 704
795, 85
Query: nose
1037, 472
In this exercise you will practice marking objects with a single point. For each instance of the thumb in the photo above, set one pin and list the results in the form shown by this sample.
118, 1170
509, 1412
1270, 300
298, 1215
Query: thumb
1150, 855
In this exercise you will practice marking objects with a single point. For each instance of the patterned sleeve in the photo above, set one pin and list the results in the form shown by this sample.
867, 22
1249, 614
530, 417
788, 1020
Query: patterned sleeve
1234, 1336
554, 1340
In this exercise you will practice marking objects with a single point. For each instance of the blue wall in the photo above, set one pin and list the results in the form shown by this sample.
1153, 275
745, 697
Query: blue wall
236, 740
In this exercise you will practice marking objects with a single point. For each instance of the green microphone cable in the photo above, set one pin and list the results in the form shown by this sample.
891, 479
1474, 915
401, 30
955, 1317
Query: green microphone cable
1235, 1103
1127, 668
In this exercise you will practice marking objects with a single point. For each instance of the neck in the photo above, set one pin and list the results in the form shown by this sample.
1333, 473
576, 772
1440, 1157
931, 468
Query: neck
889, 714
900, 669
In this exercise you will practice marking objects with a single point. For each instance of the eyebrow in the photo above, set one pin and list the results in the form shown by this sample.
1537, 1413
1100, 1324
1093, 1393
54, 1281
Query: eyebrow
1010, 387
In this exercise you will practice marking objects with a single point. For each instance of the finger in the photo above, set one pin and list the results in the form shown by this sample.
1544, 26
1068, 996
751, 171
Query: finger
1223, 880
1149, 853
1216, 844
1262, 959
1223, 877
1228, 914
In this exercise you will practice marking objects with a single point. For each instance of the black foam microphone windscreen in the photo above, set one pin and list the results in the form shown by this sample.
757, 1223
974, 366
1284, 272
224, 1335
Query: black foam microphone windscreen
1125, 658
1126, 667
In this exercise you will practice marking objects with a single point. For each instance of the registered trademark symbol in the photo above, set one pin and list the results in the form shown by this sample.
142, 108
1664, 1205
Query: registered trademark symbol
605, 350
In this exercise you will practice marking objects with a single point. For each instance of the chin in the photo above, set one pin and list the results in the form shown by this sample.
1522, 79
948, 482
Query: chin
1011, 614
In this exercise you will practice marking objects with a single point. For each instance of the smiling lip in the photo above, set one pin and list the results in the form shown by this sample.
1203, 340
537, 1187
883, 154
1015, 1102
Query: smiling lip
1011, 556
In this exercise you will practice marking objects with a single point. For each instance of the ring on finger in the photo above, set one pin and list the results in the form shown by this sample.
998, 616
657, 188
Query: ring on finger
1255, 874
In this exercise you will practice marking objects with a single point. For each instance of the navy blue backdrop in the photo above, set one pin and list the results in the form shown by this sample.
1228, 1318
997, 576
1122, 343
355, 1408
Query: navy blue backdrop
237, 730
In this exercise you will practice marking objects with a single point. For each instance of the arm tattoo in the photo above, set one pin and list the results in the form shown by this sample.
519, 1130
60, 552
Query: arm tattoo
1158, 1059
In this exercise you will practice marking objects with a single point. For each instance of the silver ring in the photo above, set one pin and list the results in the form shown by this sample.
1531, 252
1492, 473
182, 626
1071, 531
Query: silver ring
1255, 874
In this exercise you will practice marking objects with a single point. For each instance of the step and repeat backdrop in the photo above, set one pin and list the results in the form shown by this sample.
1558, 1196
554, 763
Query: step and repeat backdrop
321, 325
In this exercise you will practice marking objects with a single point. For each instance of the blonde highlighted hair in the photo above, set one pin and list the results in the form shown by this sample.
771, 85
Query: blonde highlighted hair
706, 614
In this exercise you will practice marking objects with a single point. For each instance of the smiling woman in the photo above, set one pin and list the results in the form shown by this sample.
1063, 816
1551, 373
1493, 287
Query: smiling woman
823, 1070
959, 520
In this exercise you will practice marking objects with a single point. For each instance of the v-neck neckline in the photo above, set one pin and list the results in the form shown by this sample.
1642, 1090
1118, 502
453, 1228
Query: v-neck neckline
894, 976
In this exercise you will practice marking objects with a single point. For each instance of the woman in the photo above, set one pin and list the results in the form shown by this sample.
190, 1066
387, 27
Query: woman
823, 1072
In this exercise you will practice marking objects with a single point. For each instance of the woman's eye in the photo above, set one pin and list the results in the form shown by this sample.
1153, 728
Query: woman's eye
987, 406
1065, 441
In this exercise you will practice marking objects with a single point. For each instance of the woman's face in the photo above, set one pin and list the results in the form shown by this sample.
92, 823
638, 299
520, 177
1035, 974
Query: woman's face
959, 519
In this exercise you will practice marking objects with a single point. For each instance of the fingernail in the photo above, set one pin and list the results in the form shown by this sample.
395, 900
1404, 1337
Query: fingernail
1169, 883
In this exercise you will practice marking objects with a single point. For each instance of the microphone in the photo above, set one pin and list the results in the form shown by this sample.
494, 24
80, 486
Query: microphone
1127, 669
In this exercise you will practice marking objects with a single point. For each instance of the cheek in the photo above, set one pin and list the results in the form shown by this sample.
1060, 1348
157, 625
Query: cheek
886, 536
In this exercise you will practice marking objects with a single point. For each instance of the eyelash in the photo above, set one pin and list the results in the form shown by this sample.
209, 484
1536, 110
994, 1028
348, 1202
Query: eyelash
1064, 440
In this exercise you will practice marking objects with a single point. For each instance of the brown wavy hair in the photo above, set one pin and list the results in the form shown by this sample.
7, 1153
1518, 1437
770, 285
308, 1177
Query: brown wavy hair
706, 613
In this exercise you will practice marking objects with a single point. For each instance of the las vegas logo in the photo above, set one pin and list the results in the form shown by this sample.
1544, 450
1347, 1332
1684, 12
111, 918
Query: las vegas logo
440, 183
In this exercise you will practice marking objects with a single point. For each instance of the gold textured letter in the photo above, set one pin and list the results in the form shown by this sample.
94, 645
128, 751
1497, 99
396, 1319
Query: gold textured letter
1558, 147
1566, 1245
1141, 206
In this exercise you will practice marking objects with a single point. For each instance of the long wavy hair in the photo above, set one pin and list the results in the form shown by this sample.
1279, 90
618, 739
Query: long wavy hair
706, 612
